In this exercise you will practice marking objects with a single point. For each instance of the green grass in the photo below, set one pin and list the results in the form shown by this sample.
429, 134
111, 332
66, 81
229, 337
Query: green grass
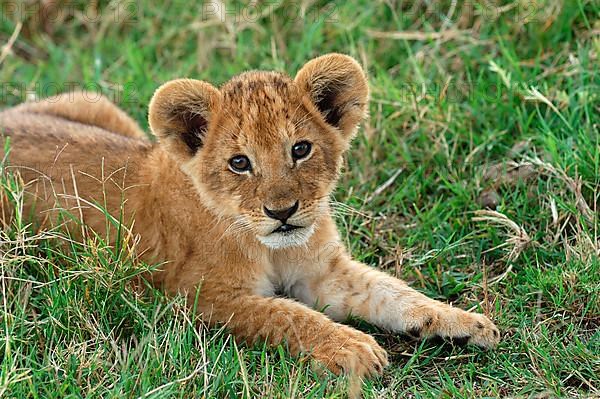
515, 84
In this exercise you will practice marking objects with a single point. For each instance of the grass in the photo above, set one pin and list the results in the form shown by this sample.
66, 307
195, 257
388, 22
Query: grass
477, 179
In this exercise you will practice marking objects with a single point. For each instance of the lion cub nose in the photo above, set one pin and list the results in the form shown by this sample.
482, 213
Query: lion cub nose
281, 214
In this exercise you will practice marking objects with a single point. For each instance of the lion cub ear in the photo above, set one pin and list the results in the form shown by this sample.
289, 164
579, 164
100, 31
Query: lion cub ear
180, 112
337, 86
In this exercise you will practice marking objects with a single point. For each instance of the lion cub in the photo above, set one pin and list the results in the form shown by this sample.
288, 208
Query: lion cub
233, 203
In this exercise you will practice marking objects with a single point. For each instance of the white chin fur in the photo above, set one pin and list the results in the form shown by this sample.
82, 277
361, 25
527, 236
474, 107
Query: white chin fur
293, 238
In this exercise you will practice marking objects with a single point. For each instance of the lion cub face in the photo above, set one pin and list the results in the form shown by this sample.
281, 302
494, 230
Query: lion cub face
264, 150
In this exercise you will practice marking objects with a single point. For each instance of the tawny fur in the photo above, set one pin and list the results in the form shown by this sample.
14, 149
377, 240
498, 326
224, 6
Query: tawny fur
88, 108
205, 222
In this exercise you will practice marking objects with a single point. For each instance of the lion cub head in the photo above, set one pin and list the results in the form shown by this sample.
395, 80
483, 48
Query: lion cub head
264, 150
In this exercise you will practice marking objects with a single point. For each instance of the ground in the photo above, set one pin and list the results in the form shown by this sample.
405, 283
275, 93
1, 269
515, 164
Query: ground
476, 179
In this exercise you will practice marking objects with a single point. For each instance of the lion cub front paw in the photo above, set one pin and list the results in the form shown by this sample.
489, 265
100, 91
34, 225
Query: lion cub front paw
455, 325
351, 352
482, 331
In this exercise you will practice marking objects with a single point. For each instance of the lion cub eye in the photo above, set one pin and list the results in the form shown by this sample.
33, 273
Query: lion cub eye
240, 164
301, 150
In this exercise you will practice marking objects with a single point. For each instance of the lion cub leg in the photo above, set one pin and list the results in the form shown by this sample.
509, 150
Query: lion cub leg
279, 320
349, 287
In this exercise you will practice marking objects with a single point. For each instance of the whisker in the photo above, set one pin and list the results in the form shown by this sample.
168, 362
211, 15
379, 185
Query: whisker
339, 206
239, 225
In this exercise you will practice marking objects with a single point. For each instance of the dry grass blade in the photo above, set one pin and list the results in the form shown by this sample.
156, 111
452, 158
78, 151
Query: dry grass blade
416, 35
6, 49
573, 184
517, 237
385, 185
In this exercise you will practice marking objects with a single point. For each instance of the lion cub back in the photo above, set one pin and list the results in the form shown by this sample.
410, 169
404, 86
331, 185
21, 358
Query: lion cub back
88, 108
72, 154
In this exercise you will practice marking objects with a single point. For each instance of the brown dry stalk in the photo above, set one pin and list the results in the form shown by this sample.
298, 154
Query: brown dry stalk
416, 35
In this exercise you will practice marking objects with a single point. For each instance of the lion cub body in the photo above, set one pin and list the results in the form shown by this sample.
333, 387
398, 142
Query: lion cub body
217, 228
